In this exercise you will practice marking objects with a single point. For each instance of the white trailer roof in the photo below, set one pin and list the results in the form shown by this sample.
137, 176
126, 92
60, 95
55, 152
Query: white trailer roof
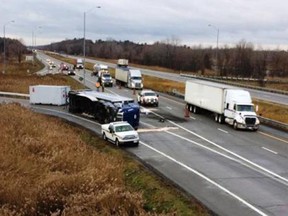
105, 96
213, 84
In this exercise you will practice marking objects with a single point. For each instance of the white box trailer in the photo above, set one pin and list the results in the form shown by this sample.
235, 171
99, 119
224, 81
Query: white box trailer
232, 105
49, 94
209, 97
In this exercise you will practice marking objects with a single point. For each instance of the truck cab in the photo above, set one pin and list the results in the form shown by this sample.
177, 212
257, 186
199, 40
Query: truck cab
106, 79
135, 79
239, 110
79, 64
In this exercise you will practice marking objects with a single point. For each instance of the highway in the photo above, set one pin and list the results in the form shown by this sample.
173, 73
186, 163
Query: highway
231, 172
266, 96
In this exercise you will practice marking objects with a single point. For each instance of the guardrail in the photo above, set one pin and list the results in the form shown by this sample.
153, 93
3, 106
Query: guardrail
175, 93
234, 84
14, 95
265, 121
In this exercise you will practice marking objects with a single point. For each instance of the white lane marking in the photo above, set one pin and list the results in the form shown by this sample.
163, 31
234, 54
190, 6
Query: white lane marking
207, 179
222, 130
192, 118
156, 129
228, 151
232, 153
169, 108
265, 134
172, 100
274, 152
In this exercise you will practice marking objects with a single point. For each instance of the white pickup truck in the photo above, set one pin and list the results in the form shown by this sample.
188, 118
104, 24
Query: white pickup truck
120, 133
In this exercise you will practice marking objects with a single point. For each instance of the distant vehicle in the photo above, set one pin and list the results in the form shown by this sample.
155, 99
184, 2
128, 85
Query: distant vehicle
71, 72
106, 79
98, 69
51, 65
105, 107
63, 67
148, 97
120, 133
131, 78
231, 105
79, 64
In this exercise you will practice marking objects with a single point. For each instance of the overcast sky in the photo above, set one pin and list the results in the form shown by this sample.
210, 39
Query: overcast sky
261, 22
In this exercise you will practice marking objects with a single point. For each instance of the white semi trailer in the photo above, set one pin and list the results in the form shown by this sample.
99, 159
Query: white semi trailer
231, 105
131, 78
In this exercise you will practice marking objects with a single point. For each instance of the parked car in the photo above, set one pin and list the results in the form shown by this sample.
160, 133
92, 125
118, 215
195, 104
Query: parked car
148, 97
120, 133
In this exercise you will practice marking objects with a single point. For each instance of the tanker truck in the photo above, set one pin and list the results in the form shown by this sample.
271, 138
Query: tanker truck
230, 105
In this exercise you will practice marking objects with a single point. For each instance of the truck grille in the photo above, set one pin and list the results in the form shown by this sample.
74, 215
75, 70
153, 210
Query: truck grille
250, 121
138, 85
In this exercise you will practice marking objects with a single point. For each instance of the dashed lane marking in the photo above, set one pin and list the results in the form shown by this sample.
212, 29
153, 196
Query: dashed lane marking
143, 130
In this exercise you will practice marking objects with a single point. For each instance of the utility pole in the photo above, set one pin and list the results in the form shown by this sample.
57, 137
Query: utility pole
84, 44
4, 44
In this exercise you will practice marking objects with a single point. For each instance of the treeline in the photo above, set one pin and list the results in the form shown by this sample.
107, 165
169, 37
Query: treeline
13, 49
241, 61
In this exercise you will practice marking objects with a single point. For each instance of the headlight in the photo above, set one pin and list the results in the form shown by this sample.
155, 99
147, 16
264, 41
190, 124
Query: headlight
257, 121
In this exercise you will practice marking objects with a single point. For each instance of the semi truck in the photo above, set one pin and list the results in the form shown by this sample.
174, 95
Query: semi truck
230, 105
104, 107
79, 64
128, 77
98, 69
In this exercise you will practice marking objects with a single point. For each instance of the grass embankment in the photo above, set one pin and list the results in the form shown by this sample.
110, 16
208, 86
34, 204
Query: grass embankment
48, 166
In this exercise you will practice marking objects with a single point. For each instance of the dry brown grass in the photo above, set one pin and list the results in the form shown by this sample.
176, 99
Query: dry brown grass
162, 85
47, 167
21, 83
273, 111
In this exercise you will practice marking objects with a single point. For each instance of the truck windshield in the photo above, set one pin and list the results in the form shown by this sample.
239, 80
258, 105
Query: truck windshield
136, 78
106, 75
123, 128
245, 108
149, 94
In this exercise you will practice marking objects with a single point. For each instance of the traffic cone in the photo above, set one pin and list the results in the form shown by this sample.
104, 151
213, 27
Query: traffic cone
186, 112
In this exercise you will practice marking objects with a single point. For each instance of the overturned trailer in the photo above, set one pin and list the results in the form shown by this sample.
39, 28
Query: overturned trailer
104, 107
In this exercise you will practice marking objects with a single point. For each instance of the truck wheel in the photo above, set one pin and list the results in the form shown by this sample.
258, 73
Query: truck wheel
104, 136
220, 119
216, 118
235, 125
117, 142
195, 110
